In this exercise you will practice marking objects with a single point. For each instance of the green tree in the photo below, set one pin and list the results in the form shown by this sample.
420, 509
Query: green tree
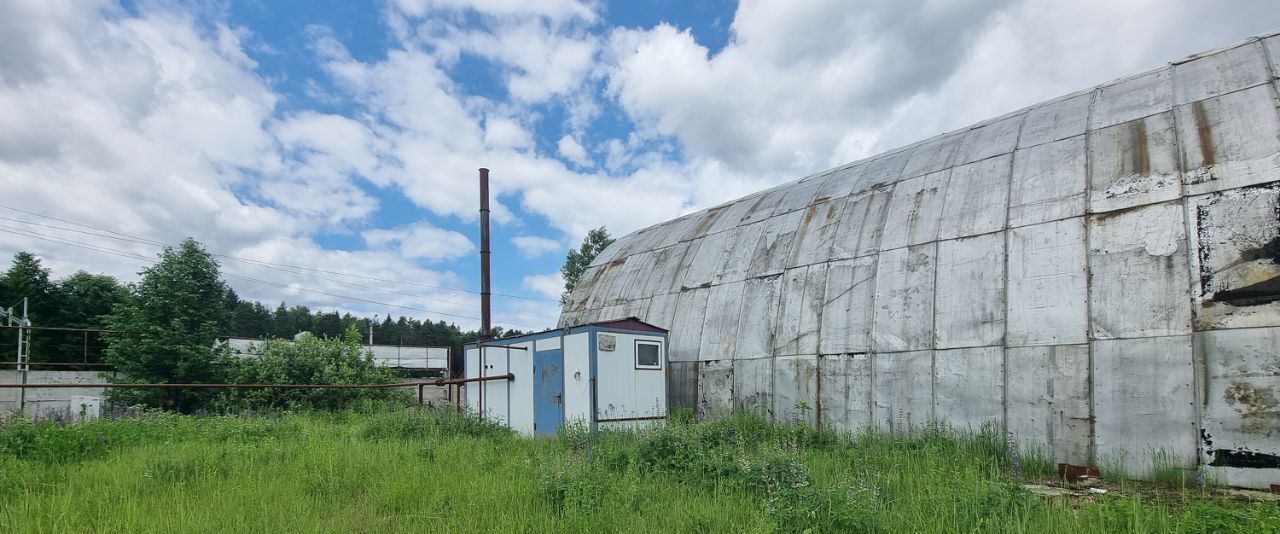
576, 262
84, 300
168, 329
28, 278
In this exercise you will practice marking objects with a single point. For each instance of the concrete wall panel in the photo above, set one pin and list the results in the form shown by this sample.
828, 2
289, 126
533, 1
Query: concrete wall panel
847, 307
1132, 98
977, 199
1048, 182
902, 383
800, 314
1047, 284
968, 388
795, 389
1047, 397
1234, 242
1241, 411
862, 224
686, 329
989, 140
1144, 404
720, 328
1230, 141
1062, 118
682, 385
757, 325
739, 250
1138, 273
1133, 163
1220, 73
844, 401
915, 211
715, 389
904, 299
817, 233
774, 249
753, 386
970, 306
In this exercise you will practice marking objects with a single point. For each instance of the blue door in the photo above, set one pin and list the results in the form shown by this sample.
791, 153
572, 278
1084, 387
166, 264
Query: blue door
548, 391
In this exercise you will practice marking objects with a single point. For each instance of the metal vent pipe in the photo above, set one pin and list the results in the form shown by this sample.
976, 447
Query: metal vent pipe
485, 331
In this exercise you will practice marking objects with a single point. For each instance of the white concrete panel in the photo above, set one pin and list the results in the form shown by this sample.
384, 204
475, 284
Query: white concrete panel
904, 299
704, 221
977, 199
817, 233
992, 139
682, 385
759, 317
1048, 182
774, 249
715, 389
1235, 242
970, 303
1230, 141
801, 194
720, 328
845, 392
765, 204
1132, 98
915, 211
848, 306
78, 403
968, 388
577, 377
1220, 73
844, 181
1062, 118
934, 155
753, 386
1272, 45
707, 261
686, 329
667, 276
800, 315
1047, 400
862, 224
732, 214
1133, 163
884, 170
740, 248
1139, 283
795, 389
1143, 402
673, 232
1241, 413
903, 390
662, 310
1048, 284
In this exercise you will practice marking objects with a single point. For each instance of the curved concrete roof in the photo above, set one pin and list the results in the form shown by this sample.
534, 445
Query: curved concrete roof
1097, 273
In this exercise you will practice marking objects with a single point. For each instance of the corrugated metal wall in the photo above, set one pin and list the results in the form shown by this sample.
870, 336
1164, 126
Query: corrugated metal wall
1097, 274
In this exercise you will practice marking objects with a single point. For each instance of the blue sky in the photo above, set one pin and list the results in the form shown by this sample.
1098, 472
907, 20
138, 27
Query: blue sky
338, 142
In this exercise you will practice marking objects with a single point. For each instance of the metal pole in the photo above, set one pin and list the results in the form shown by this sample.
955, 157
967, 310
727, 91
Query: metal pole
484, 254
23, 358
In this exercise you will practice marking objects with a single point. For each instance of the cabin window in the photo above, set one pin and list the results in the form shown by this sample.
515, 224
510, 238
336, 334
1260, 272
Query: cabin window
648, 355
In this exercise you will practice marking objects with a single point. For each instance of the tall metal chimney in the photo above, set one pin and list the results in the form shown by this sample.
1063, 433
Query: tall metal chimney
485, 330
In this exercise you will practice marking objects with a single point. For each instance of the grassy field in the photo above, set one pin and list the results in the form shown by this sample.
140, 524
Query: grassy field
410, 470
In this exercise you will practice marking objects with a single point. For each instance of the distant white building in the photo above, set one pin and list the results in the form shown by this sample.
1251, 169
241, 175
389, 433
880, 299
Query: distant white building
432, 360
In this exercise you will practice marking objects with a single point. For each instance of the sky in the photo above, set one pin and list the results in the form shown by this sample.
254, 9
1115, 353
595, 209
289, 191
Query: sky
327, 150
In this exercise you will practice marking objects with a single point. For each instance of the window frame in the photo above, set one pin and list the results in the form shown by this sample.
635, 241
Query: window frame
649, 342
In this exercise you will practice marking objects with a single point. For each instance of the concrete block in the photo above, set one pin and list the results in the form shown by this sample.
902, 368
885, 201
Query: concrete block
795, 389
904, 299
1059, 119
720, 328
1133, 163
848, 306
844, 401
1234, 238
1220, 73
1139, 284
1048, 182
1143, 402
968, 388
1230, 141
970, 303
1132, 98
817, 233
753, 386
1241, 412
685, 338
977, 199
862, 224
915, 211
715, 389
1047, 400
800, 315
903, 390
1048, 284
759, 319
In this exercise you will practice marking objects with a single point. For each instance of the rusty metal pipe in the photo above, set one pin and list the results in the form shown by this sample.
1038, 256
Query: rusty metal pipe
485, 331
508, 376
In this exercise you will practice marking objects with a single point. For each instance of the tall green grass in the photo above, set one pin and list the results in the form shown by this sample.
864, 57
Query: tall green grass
415, 470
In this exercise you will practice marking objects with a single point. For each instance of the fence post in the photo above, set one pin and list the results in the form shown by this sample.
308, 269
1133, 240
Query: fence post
420, 394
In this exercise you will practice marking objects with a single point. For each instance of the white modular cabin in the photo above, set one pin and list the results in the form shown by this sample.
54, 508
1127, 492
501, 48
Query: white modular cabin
608, 374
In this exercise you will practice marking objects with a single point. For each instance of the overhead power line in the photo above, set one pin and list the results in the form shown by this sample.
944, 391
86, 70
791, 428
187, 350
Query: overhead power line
142, 240
134, 256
